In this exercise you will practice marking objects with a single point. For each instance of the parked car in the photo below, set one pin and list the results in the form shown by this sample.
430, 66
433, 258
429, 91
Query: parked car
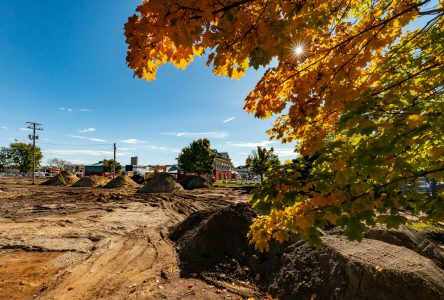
422, 185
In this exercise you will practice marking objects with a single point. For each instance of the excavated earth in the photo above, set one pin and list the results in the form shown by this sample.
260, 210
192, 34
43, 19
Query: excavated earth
387, 264
59, 242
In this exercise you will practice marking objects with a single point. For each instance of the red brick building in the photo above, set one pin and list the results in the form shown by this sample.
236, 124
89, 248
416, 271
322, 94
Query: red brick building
222, 166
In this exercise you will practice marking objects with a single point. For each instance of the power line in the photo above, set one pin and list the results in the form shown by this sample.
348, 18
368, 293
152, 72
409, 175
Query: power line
34, 126
114, 160
79, 145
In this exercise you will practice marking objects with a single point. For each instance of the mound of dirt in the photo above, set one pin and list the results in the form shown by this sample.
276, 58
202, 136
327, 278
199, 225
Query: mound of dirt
161, 183
62, 179
207, 238
411, 239
192, 182
121, 181
213, 244
91, 181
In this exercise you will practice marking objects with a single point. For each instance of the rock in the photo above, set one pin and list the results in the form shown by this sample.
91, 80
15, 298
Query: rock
192, 182
161, 183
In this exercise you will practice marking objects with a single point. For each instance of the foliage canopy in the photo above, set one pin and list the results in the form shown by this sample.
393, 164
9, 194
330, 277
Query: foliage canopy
357, 84
197, 157
19, 156
261, 161
109, 166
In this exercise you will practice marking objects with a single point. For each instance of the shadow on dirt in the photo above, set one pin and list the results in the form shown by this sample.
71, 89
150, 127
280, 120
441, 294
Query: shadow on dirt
212, 244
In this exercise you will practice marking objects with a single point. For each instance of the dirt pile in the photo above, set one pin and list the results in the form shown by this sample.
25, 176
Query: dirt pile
192, 182
161, 183
213, 244
91, 181
62, 179
411, 239
120, 182
207, 238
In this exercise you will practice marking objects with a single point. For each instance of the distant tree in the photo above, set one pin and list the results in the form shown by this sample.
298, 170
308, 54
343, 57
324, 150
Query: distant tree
5, 159
197, 157
20, 155
59, 163
261, 161
108, 164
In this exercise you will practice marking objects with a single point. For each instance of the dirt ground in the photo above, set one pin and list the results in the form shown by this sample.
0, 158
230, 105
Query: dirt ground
94, 243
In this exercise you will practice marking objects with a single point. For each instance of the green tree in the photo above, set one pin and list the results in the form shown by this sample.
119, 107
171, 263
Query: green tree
261, 161
5, 159
197, 157
21, 156
108, 164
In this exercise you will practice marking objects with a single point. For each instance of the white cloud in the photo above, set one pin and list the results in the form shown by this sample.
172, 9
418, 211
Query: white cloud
126, 149
84, 152
4, 127
132, 141
24, 129
162, 148
85, 109
86, 138
251, 145
285, 152
79, 152
65, 109
210, 134
89, 129
228, 120
70, 109
62, 108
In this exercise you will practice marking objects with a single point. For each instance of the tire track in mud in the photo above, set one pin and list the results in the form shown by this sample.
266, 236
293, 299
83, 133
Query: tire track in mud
134, 261
112, 271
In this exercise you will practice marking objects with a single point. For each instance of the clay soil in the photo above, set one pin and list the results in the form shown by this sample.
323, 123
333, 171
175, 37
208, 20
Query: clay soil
94, 243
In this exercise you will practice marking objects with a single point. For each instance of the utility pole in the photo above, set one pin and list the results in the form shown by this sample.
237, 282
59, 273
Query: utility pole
114, 161
34, 126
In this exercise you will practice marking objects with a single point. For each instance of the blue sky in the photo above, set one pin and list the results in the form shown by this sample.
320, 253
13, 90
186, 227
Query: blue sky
63, 65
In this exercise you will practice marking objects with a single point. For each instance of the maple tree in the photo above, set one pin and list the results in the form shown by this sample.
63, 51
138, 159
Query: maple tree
261, 161
357, 84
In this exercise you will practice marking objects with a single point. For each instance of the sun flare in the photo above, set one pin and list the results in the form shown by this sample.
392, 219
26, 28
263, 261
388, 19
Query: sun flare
298, 50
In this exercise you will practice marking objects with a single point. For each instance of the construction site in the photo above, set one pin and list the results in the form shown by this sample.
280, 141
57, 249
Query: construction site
96, 238
222, 149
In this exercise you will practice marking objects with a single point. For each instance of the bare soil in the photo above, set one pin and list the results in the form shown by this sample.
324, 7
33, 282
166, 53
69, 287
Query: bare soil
60, 242
388, 264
